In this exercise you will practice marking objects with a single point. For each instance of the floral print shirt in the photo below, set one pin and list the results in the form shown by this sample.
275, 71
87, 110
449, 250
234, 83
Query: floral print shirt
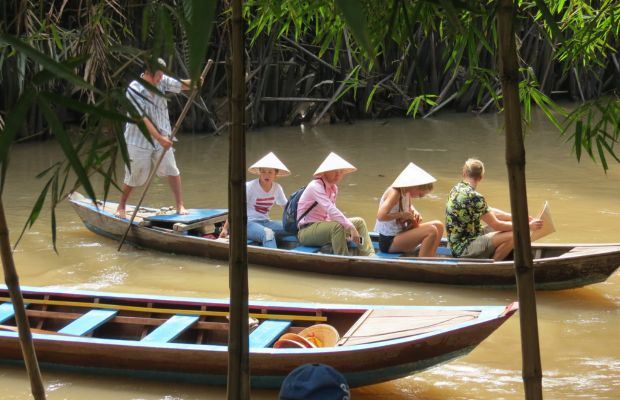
463, 211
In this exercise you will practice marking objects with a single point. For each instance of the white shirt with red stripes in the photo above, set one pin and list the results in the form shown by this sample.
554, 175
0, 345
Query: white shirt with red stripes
260, 202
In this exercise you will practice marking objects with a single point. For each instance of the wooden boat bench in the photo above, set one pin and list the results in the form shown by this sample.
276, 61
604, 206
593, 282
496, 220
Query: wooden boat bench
201, 218
170, 329
88, 322
268, 332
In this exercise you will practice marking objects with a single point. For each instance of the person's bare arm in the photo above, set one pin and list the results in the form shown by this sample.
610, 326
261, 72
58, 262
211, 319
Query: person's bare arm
498, 225
161, 139
384, 214
187, 84
224, 231
501, 215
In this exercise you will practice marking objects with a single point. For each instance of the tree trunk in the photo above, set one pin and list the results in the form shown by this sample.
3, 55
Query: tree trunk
515, 162
238, 342
23, 328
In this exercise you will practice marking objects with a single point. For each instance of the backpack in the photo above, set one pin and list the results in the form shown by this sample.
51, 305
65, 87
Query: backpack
289, 215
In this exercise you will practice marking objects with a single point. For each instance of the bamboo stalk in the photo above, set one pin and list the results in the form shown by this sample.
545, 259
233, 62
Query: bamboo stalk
238, 380
515, 161
25, 336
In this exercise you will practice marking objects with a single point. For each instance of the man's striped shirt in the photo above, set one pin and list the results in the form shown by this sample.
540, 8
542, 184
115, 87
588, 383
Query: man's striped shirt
153, 105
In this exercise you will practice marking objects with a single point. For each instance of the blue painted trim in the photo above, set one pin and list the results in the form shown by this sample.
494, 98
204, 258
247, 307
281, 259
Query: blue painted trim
305, 249
388, 255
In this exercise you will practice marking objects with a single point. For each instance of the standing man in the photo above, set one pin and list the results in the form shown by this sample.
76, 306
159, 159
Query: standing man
153, 108
465, 210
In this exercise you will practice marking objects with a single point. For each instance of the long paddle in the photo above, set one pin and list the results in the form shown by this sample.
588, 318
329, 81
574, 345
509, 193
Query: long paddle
190, 100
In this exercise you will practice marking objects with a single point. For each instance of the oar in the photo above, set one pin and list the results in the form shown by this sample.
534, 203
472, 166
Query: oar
208, 313
190, 100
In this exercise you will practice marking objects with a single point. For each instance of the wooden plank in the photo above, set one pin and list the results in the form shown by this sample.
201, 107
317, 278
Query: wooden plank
170, 329
379, 325
195, 215
205, 224
268, 332
88, 322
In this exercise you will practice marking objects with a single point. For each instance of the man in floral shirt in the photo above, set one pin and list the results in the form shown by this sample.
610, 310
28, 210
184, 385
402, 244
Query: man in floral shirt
465, 210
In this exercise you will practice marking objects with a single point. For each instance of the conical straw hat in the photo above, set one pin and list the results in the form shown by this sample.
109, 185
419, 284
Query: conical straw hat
326, 334
413, 175
270, 161
332, 163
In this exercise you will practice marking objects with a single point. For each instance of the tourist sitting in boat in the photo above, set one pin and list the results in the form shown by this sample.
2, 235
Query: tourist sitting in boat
399, 224
465, 210
261, 195
322, 222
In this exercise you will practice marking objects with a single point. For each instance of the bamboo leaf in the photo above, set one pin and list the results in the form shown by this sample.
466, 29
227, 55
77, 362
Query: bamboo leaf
46, 62
97, 110
65, 143
12, 124
601, 154
356, 18
370, 97
578, 139
35, 212
549, 20
200, 15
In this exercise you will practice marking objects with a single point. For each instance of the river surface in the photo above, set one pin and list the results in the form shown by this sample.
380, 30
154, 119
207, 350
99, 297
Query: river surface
578, 328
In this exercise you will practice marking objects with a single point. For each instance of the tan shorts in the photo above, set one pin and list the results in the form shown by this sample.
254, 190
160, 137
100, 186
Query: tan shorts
142, 160
481, 247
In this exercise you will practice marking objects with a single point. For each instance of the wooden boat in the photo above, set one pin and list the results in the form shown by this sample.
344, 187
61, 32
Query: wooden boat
557, 266
185, 339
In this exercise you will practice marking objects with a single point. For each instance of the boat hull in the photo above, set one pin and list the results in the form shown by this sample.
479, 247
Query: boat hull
558, 266
362, 363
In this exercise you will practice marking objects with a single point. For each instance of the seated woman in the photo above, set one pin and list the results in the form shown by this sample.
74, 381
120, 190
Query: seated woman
261, 194
321, 222
399, 223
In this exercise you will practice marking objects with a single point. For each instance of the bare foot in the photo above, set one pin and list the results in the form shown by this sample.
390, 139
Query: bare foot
120, 213
182, 210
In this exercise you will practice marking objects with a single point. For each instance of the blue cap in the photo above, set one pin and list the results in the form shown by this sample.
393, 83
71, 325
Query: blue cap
314, 382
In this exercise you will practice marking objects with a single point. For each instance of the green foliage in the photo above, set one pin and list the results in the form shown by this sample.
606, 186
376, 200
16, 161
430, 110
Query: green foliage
595, 122
50, 58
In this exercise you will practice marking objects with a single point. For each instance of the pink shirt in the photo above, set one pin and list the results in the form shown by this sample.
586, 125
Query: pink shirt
326, 209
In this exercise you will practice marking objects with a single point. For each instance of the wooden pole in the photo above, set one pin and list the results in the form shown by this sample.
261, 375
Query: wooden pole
515, 162
176, 128
238, 387
23, 327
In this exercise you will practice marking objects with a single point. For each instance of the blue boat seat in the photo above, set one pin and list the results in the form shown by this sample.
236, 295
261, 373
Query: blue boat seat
170, 329
288, 238
387, 255
6, 311
306, 249
444, 251
88, 322
268, 332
